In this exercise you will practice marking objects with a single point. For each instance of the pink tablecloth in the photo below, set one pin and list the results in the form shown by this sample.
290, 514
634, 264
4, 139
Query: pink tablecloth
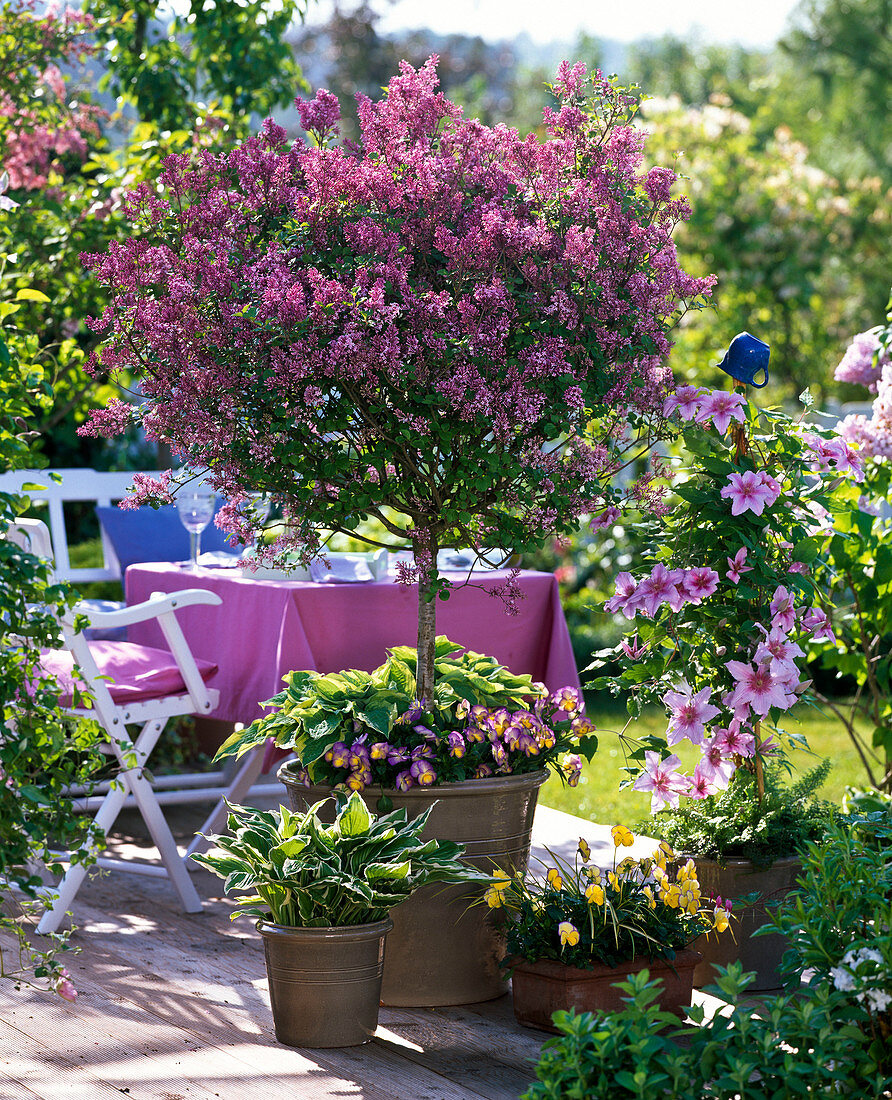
264, 629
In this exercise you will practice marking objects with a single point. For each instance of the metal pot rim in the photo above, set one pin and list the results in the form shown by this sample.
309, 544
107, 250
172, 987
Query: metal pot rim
331, 932
437, 790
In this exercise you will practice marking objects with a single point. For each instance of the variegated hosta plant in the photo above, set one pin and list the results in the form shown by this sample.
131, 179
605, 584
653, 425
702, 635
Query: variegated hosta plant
359, 729
307, 874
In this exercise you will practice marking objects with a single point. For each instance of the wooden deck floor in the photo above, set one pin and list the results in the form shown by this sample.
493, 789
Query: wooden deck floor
173, 1005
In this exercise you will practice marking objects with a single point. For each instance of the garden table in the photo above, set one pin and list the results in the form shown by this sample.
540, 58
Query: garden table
266, 628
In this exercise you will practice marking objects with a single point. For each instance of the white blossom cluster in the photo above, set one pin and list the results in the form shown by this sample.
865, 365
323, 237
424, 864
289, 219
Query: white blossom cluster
863, 972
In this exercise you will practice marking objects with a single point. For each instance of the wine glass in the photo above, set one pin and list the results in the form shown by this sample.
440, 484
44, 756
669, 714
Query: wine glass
196, 509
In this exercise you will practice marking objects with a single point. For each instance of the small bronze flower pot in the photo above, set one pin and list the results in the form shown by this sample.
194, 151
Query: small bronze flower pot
324, 983
542, 988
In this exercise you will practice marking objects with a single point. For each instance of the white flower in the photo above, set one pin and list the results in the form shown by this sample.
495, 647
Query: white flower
843, 979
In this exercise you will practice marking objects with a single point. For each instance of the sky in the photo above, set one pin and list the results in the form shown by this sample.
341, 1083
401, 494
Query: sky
748, 22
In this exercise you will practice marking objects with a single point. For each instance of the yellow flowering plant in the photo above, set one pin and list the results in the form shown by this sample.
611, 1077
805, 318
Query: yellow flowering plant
581, 914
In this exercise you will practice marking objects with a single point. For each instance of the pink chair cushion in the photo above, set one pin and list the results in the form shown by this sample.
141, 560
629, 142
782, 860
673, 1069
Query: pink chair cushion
137, 672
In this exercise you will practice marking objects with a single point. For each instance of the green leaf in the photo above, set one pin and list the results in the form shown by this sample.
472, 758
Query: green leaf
31, 295
354, 819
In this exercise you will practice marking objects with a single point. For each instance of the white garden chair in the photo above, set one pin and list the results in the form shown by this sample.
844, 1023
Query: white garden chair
140, 686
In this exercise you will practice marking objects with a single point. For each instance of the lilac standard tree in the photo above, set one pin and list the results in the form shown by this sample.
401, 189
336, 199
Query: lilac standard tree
444, 323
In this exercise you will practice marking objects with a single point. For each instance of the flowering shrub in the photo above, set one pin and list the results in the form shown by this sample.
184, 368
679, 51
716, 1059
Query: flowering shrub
580, 915
445, 318
841, 918
731, 600
858, 572
367, 729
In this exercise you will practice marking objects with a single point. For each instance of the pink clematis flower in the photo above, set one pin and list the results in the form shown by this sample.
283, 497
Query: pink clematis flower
733, 740
662, 586
815, 621
700, 583
714, 765
783, 610
780, 653
757, 688
662, 780
736, 567
750, 492
690, 713
721, 408
627, 597
686, 400
700, 786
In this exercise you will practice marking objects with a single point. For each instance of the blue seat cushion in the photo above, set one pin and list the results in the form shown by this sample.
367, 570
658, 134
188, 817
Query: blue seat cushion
150, 534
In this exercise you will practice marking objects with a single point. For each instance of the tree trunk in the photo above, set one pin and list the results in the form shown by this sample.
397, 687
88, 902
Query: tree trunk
426, 556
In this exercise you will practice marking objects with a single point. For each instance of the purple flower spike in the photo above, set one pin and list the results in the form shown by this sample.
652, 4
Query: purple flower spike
456, 744
423, 772
338, 755
404, 781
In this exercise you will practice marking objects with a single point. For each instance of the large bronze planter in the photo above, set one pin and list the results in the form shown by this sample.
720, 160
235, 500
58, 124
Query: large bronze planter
324, 983
733, 880
542, 988
441, 952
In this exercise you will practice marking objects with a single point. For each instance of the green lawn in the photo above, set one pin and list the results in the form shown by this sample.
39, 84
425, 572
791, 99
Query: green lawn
599, 799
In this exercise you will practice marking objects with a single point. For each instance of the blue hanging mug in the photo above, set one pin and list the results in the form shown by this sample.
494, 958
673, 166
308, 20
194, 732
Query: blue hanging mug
745, 358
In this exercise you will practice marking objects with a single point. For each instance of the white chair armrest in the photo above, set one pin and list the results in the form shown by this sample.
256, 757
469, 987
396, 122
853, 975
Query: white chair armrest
158, 604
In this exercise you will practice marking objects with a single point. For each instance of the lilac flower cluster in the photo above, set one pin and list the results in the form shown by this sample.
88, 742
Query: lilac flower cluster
860, 363
476, 743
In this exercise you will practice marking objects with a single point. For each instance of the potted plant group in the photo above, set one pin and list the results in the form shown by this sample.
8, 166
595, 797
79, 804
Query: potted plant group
480, 748
723, 620
445, 329
576, 932
323, 895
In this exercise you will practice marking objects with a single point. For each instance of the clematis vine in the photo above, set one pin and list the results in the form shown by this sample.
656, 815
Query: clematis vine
725, 615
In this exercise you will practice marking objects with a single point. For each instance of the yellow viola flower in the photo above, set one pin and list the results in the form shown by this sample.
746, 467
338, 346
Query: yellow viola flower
651, 900
594, 894
593, 873
613, 880
568, 933
622, 837
584, 850
720, 919
666, 849
672, 897
493, 898
503, 880
627, 864
554, 879
687, 872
